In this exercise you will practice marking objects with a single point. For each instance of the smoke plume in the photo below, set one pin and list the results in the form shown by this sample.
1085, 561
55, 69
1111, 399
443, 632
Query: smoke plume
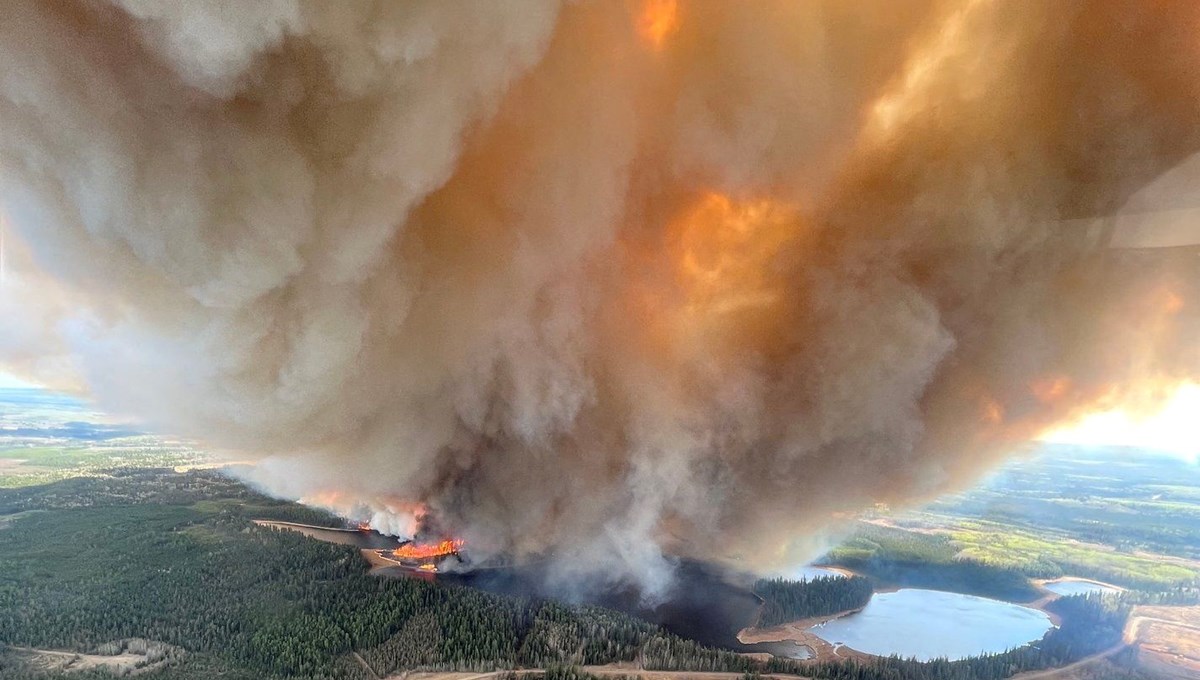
610, 281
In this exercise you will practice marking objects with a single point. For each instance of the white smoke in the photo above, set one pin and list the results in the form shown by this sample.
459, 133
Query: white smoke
576, 280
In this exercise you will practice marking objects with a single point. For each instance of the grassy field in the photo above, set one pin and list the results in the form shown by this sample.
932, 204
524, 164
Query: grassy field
22, 466
1051, 556
1114, 515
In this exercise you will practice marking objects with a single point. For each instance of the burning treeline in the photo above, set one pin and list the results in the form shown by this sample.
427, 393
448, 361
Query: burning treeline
614, 280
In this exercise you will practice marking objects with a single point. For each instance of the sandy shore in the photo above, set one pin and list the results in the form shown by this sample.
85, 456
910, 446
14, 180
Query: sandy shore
378, 561
1041, 583
800, 632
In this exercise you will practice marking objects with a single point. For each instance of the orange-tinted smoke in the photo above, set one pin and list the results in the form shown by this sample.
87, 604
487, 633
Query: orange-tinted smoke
657, 21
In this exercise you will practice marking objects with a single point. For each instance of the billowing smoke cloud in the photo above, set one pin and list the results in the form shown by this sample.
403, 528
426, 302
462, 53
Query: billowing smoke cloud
613, 280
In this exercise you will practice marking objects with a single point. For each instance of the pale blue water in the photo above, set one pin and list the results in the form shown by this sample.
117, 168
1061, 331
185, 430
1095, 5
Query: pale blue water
1070, 586
927, 624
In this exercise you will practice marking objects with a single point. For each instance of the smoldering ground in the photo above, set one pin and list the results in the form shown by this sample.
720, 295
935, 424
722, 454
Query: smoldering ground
618, 280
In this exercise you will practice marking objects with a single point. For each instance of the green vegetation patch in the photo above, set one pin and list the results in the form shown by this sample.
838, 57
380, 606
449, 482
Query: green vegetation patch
785, 600
896, 557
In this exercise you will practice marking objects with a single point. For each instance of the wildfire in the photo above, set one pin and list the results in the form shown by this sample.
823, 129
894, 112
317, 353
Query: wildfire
425, 551
364, 526
324, 499
658, 20
714, 275
726, 248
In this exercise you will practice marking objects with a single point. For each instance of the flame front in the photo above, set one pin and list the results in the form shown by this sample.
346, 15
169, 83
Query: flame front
426, 551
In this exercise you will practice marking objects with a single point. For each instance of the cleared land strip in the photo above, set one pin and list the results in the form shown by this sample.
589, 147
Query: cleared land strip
1063, 670
612, 670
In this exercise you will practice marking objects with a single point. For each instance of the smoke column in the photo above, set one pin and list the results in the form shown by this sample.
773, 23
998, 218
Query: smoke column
613, 281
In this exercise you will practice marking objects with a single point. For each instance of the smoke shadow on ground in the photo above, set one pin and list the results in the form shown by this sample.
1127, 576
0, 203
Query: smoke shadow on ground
705, 603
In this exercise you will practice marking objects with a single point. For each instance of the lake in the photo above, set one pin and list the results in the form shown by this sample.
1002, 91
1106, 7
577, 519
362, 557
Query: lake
710, 605
368, 540
1074, 586
928, 624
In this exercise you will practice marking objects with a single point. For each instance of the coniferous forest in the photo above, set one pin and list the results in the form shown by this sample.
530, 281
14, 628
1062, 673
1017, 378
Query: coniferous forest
171, 565
785, 600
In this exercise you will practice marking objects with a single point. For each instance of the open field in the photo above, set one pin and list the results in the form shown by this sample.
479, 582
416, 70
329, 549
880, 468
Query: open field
1114, 515
32, 465
46, 437
1167, 639
123, 658
65, 662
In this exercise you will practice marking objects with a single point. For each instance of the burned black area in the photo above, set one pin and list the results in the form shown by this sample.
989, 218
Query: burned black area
704, 603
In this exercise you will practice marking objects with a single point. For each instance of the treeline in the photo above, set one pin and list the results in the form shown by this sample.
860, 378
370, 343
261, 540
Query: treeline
1182, 596
905, 558
182, 565
126, 487
174, 558
785, 600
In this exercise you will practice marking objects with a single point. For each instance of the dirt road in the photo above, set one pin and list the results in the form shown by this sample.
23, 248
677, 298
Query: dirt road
603, 671
1065, 670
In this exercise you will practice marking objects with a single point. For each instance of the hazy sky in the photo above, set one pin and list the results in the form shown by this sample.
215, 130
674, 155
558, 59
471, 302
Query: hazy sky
7, 380
1173, 430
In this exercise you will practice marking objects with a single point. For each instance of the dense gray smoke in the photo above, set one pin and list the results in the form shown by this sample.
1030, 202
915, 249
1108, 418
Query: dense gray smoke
615, 280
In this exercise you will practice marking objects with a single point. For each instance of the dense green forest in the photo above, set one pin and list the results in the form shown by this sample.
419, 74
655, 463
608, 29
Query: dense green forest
174, 558
905, 558
90, 564
183, 564
785, 600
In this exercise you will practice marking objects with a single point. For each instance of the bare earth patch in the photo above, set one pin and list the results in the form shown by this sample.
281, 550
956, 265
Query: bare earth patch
1167, 638
800, 633
127, 657
620, 670
126, 663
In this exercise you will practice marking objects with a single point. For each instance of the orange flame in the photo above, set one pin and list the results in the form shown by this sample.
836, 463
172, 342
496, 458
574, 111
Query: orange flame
425, 551
725, 251
657, 21
713, 274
